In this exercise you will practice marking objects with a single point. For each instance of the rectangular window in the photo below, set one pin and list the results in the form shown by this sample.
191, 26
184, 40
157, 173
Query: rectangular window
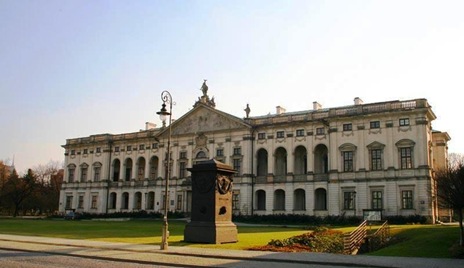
406, 202
236, 200
182, 169
69, 199
375, 124
73, 152
320, 131
129, 148
179, 202
348, 200
261, 136
377, 200
80, 203
86, 151
183, 155
348, 161
154, 146
71, 175
406, 158
96, 175
83, 174
94, 201
347, 127
300, 132
220, 152
116, 149
404, 121
376, 159
237, 165
141, 146
98, 150
280, 134
237, 151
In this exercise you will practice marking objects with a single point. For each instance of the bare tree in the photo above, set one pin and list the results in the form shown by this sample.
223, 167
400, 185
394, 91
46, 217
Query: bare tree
450, 190
455, 159
49, 180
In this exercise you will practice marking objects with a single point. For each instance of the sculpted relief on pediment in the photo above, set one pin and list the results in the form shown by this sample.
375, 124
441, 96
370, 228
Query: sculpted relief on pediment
204, 121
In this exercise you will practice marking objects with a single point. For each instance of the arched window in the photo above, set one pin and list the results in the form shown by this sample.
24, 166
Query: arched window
128, 169
151, 201
154, 167
138, 200
299, 199
141, 168
320, 202
261, 200
116, 169
125, 201
301, 165
321, 163
112, 203
279, 199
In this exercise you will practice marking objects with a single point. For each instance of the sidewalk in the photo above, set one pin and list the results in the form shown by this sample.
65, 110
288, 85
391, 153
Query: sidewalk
188, 256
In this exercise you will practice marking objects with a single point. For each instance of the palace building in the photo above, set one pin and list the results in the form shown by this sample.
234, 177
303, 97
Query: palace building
325, 161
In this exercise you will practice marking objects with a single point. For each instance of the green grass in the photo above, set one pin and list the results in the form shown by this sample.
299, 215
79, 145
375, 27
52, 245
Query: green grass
432, 241
414, 240
138, 231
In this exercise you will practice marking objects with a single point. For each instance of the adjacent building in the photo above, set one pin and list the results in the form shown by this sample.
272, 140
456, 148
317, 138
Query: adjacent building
325, 161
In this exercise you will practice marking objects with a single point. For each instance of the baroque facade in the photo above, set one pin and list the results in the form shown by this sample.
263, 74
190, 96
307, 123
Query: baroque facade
335, 161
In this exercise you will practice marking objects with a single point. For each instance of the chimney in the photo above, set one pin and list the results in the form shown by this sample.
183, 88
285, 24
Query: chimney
149, 125
358, 101
280, 110
317, 105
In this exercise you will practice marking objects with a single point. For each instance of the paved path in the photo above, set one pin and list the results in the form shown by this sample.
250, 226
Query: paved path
199, 257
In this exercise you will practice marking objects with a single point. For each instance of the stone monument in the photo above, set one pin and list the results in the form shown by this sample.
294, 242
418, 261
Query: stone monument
211, 220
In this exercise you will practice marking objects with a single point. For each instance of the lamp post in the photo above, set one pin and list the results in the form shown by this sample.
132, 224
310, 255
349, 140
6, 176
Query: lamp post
163, 113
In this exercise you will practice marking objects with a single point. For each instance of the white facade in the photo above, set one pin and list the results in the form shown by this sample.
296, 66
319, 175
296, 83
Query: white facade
337, 161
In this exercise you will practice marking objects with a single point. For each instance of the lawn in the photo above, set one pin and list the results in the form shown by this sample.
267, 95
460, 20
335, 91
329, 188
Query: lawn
138, 231
412, 240
432, 241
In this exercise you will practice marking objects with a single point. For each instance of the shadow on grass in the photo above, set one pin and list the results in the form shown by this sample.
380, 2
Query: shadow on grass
432, 241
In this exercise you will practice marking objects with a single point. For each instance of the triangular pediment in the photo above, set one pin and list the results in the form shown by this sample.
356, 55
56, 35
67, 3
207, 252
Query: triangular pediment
204, 119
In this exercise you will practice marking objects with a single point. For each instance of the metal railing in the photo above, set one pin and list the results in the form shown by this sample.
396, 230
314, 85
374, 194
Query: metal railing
380, 238
352, 241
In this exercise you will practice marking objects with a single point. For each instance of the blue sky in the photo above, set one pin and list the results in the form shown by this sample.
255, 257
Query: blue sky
72, 69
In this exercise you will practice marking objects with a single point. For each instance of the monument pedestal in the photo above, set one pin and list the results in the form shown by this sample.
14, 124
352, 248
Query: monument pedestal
211, 204
210, 232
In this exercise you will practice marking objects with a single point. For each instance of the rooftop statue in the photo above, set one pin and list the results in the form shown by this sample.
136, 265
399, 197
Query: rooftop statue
247, 111
204, 88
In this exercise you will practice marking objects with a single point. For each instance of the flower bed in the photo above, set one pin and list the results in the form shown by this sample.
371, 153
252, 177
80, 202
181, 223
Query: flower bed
321, 240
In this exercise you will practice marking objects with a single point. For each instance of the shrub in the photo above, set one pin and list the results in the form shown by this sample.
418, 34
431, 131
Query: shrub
306, 220
321, 240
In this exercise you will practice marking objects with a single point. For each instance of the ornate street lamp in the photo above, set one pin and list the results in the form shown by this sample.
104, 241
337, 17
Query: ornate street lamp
163, 113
